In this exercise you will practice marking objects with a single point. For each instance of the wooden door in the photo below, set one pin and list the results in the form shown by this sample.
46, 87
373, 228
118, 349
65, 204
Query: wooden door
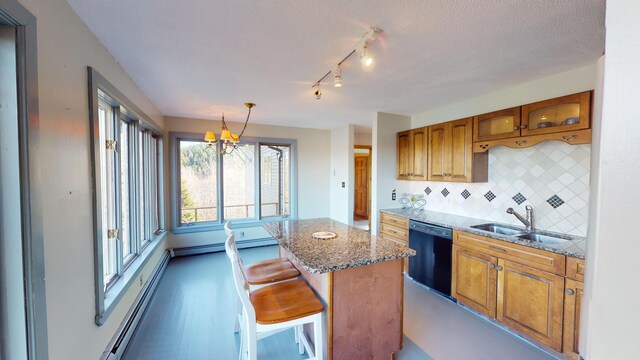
474, 280
461, 151
574, 291
418, 154
361, 190
567, 113
403, 165
531, 301
502, 124
439, 152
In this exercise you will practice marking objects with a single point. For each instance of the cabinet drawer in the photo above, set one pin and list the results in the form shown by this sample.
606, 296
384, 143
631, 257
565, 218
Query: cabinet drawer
575, 269
539, 259
395, 220
397, 233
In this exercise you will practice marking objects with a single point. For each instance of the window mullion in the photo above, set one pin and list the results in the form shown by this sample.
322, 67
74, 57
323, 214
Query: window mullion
133, 186
117, 196
220, 184
257, 181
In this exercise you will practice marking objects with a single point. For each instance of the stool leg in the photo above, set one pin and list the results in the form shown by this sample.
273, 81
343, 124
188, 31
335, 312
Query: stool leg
300, 331
295, 335
252, 342
317, 337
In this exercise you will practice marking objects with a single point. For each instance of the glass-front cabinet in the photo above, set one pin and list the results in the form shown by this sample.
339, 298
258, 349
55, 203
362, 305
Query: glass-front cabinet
567, 113
497, 125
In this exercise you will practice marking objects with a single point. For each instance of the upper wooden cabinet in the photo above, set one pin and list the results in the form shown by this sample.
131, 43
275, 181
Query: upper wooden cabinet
411, 154
567, 113
564, 119
450, 155
496, 125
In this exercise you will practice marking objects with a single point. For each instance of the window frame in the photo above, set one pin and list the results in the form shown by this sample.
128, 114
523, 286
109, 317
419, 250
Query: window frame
108, 293
175, 197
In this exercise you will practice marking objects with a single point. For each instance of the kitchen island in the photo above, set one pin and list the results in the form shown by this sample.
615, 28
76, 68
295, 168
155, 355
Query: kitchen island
358, 277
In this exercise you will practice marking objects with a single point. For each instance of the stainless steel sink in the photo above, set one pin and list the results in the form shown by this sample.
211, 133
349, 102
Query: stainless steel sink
545, 239
499, 229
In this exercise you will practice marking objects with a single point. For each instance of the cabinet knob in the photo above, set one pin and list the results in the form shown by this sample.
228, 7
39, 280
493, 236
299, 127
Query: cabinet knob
492, 266
570, 292
500, 268
516, 128
523, 126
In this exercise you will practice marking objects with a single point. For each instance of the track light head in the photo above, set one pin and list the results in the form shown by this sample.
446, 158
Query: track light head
318, 93
337, 76
365, 58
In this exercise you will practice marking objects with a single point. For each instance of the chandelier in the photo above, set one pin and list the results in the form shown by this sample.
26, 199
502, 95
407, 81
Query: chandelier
229, 141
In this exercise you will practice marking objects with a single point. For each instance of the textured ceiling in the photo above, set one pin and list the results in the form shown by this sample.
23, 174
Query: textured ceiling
198, 58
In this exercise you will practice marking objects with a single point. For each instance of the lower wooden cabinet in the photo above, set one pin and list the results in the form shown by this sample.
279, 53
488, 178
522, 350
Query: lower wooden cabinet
530, 301
520, 288
396, 228
474, 280
574, 291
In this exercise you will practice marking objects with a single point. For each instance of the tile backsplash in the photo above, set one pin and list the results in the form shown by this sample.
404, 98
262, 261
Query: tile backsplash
552, 176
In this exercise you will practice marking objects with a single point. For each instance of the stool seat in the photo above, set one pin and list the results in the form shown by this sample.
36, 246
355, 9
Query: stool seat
270, 271
289, 300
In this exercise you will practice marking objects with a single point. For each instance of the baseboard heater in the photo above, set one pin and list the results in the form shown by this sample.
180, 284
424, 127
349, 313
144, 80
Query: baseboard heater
204, 249
119, 343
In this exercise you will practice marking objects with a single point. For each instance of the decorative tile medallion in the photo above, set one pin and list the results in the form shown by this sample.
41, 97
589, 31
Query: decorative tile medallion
465, 194
489, 196
519, 198
555, 201
445, 192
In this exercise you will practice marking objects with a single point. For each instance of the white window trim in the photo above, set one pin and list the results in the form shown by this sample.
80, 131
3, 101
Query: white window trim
107, 299
257, 220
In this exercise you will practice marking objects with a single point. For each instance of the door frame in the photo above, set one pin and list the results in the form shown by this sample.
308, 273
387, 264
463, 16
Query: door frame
14, 14
369, 158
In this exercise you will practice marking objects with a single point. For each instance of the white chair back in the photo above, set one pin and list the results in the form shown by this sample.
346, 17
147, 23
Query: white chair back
241, 283
227, 228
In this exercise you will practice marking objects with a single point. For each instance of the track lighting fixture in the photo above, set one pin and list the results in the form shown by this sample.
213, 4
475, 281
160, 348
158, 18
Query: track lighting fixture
337, 76
362, 48
318, 93
365, 58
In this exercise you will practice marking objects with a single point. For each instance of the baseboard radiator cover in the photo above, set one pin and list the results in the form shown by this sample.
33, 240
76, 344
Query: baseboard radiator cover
204, 249
119, 342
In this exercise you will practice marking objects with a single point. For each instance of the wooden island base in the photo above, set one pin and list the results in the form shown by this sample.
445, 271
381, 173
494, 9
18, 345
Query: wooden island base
363, 309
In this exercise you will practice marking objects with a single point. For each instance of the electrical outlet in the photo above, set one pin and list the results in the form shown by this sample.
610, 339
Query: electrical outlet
140, 279
241, 233
343, 184
393, 194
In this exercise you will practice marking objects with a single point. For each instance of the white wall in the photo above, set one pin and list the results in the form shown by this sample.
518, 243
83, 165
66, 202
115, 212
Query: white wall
65, 48
383, 168
313, 172
569, 82
341, 185
612, 289
362, 138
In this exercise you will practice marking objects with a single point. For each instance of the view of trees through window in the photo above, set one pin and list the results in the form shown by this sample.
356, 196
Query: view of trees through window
199, 181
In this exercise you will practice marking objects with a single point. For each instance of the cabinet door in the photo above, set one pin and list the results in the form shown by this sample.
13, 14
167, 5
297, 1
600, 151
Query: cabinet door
530, 301
574, 291
567, 113
403, 165
497, 125
474, 280
418, 154
460, 168
439, 152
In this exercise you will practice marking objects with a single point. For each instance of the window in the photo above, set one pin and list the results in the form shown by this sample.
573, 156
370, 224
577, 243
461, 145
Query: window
128, 188
210, 188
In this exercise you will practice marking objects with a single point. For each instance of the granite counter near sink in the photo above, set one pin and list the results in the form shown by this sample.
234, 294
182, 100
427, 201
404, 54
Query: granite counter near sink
576, 247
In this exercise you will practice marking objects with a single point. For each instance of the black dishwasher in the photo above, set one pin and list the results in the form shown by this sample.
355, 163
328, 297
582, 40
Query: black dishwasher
432, 264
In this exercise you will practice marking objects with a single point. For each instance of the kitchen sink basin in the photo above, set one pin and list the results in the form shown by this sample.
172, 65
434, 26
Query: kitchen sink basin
499, 229
545, 239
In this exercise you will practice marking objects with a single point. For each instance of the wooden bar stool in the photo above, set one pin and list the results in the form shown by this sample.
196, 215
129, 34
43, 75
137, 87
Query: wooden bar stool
267, 271
274, 308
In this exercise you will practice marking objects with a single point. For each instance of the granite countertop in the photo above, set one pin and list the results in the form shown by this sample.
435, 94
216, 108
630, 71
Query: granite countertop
352, 248
576, 247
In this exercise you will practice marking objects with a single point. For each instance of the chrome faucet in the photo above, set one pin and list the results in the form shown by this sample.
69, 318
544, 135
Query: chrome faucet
528, 221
